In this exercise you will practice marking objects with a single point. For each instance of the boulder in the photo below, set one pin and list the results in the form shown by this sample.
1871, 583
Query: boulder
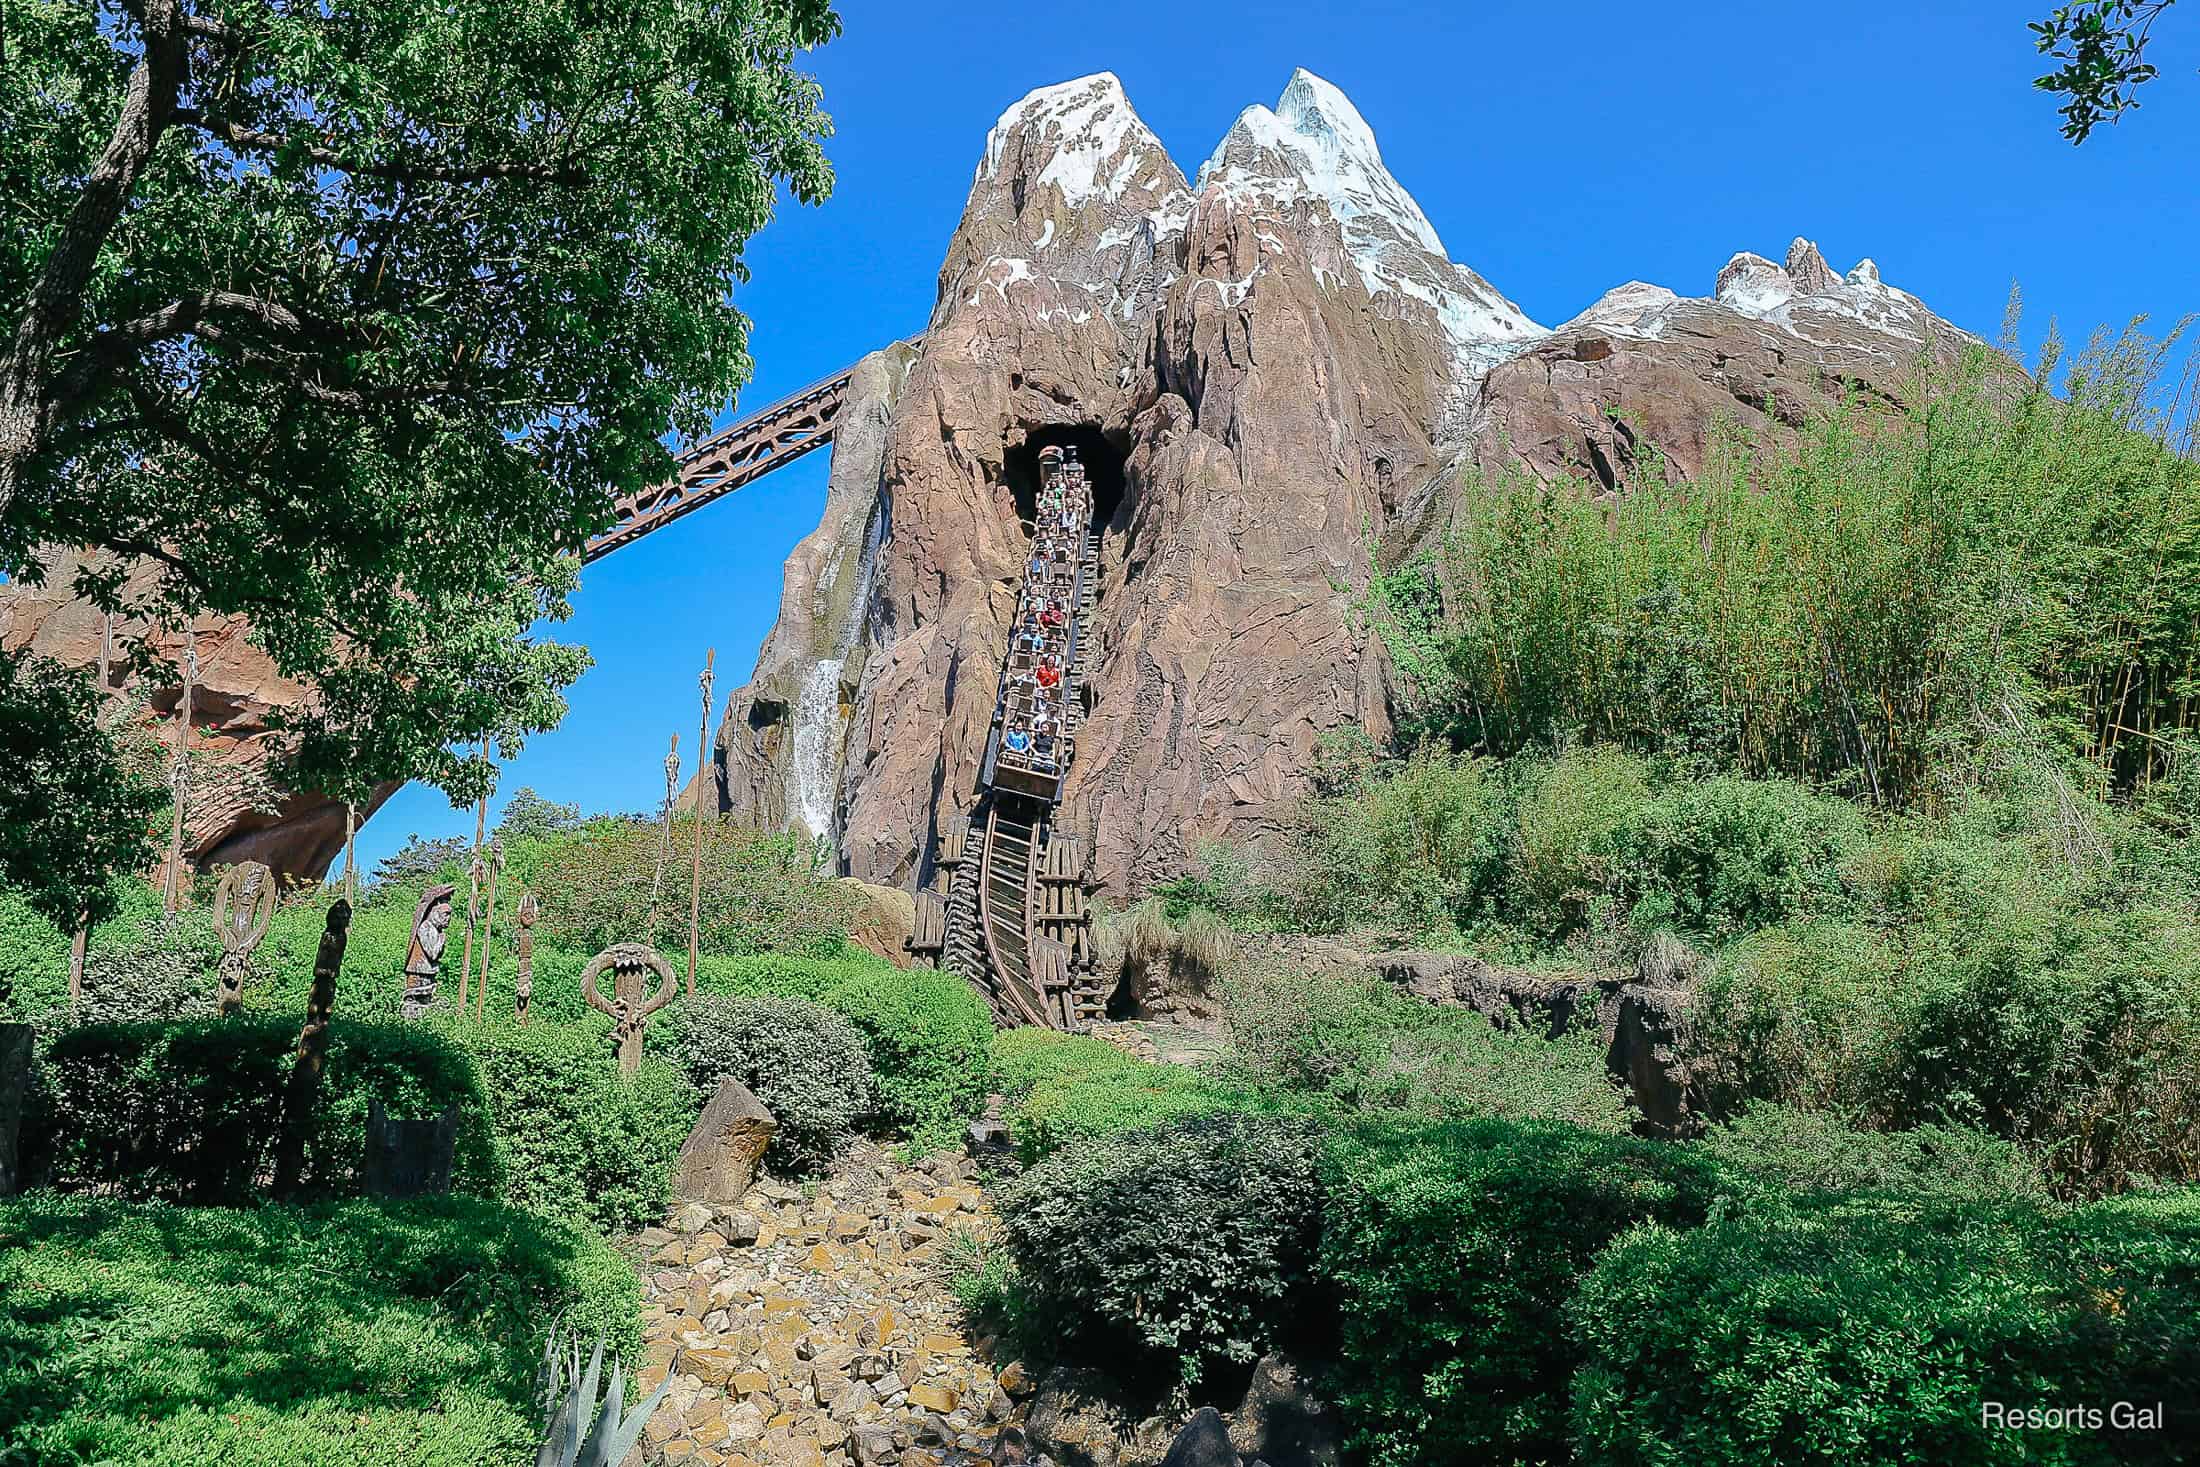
1282, 1422
719, 1158
1080, 1418
884, 919
1204, 1442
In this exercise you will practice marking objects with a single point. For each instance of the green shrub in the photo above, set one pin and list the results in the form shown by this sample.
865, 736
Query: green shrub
761, 892
1354, 1041
930, 1040
581, 1141
1454, 1247
1065, 1087
340, 1335
1875, 1330
1577, 814
1173, 1249
193, 1111
1722, 856
803, 1061
1424, 845
1810, 1151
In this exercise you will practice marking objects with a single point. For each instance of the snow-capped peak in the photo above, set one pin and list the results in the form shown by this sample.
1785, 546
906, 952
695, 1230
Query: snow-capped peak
1100, 142
1315, 148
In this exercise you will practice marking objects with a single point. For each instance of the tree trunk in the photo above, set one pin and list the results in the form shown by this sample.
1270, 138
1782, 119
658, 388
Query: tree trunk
57, 300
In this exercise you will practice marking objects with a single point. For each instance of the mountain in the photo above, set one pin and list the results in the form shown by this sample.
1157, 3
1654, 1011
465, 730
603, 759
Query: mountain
1267, 367
1264, 367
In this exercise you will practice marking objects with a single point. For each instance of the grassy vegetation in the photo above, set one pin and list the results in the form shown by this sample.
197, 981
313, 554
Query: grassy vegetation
341, 1335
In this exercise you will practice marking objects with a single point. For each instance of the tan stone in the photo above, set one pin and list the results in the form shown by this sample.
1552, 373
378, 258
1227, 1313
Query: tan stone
749, 1382
938, 1398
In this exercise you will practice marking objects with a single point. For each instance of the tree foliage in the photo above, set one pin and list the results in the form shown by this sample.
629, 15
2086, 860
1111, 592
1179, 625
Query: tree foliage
350, 319
2102, 47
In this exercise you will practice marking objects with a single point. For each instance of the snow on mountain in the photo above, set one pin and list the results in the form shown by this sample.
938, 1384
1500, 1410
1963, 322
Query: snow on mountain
1799, 297
1315, 149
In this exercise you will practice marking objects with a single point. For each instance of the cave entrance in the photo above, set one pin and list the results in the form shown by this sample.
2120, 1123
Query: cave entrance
1103, 467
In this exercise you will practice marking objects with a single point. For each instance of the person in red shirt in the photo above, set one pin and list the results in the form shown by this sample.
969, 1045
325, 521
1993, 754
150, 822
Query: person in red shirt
1049, 675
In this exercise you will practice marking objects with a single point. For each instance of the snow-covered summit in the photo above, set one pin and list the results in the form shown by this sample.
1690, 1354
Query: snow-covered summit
1801, 296
1313, 150
1100, 145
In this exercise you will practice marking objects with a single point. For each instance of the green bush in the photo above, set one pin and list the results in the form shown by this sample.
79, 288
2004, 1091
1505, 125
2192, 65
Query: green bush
1425, 845
1173, 1249
1722, 856
1353, 1041
580, 1141
761, 892
1065, 1087
1810, 1151
1875, 1330
803, 1061
930, 1040
192, 1111
1454, 1246
340, 1335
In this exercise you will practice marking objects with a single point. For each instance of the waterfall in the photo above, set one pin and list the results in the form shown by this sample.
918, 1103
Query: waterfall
814, 771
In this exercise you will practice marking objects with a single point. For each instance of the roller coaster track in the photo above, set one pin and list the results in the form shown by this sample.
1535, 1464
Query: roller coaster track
730, 459
1012, 918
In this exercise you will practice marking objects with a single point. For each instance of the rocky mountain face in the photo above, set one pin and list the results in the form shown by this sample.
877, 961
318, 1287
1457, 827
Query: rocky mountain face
1267, 368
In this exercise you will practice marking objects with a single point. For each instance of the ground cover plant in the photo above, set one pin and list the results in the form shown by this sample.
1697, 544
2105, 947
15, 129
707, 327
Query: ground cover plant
356, 1333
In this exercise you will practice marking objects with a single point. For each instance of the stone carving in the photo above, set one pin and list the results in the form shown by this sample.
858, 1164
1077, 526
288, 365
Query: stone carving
408, 1158
312, 1051
719, 1158
529, 910
630, 963
244, 905
431, 931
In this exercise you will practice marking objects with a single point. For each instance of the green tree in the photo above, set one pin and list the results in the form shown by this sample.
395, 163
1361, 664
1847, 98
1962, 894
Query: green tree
352, 319
528, 816
2102, 47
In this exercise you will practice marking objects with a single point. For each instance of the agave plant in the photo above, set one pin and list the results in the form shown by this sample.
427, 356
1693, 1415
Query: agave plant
568, 1399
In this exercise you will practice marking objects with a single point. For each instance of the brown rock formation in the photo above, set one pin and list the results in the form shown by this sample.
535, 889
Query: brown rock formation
238, 692
1264, 371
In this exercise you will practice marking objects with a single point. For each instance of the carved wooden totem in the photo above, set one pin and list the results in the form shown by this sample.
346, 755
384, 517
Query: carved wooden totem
244, 904
630, 963
529, 910
431, 931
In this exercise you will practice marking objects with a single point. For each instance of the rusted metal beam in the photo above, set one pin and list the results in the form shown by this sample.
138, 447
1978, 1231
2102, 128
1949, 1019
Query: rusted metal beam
730, 459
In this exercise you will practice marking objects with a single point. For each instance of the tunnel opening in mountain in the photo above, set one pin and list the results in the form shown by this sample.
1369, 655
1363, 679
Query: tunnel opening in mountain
1102, 460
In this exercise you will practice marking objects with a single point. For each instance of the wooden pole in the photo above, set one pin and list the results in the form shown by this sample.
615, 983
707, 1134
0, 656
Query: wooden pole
695, 877
664, 840
84, 926
179, 777
473, 900
488, 929
351, 853
312, 1052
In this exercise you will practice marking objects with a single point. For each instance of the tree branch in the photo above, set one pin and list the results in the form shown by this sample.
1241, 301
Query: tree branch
57, 300
238, 136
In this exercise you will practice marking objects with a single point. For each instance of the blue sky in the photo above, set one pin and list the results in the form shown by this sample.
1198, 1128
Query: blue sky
1559, 149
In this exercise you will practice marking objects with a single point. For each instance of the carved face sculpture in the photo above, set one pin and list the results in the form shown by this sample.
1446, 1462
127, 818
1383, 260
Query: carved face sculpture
435, 929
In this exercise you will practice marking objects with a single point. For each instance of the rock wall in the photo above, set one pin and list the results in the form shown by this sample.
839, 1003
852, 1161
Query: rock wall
238, 693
